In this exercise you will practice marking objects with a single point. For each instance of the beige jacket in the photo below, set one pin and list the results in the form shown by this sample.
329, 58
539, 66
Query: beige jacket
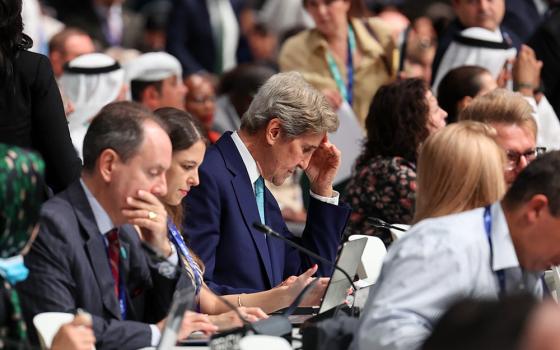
306, 53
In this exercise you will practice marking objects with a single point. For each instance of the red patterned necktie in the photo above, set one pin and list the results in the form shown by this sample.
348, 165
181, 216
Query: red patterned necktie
114, 250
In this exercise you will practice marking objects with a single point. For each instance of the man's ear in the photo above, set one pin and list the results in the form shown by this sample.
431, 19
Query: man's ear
56, 62
150, 97
273, 131
106, 163
463, 103
536, 207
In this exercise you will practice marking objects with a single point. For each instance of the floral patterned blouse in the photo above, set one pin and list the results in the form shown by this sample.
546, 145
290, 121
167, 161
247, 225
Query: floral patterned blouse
384, 188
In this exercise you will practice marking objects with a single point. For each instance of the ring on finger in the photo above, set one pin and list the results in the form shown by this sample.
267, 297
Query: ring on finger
152, 215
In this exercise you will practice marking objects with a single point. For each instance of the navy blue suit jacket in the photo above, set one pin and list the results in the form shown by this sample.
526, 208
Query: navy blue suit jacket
219, 214
189, 34
69, 269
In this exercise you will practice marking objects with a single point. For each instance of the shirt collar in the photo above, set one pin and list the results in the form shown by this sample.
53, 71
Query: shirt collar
102, 219
503, 249
248, 160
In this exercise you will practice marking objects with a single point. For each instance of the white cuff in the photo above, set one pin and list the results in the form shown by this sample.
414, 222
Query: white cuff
156, 335
330, 200
173, 259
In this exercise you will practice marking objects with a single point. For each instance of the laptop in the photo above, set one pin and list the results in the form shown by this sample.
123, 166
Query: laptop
183, 300
337, 290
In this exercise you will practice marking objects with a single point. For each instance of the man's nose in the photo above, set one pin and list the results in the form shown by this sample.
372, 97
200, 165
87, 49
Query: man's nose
160, 187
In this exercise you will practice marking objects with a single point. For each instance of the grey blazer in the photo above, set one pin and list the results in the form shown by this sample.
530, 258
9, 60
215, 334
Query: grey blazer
69, 269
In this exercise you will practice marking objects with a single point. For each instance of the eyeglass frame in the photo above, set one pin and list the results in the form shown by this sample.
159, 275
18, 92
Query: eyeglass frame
202, 100
514, 163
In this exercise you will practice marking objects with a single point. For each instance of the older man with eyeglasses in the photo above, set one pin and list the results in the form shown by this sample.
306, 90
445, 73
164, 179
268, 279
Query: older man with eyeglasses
512, 117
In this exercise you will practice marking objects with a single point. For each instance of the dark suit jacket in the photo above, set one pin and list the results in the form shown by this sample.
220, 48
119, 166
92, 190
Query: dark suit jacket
219, 216
82, 14
69, 269
546, 43
522, 18
189, 34
32, 116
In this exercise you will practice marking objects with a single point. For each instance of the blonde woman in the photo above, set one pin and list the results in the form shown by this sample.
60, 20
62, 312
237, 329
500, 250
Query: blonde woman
461, 167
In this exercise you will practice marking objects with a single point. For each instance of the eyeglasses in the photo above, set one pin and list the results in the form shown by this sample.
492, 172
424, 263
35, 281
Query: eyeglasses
513, 158
202, 99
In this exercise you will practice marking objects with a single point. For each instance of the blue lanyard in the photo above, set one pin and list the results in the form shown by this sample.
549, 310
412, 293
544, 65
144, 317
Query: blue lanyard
177, 239
122, 297
500, 274
345, 90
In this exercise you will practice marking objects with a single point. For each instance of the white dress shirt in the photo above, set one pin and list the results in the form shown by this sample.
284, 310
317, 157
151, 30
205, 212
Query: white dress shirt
438, 262
253, 170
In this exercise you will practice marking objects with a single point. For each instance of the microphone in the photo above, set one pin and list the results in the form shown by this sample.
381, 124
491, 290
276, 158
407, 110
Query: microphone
270, 232
376, 222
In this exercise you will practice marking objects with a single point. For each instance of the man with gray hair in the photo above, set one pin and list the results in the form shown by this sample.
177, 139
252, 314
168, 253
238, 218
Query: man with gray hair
285, 128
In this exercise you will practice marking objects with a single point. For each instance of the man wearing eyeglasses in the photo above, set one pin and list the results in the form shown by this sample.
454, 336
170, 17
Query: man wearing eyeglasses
516, 129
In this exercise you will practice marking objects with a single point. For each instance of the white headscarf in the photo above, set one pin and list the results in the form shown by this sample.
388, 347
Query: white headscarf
476, 47
90, 82
153, 66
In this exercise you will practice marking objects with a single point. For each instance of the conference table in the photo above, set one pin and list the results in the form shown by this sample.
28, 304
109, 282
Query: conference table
360, 300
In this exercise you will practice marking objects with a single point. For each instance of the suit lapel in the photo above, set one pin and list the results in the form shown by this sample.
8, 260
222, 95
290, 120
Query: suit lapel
95, 248
245, 196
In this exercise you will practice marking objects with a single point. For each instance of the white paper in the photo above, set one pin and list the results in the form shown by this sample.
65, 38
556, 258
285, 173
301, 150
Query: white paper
348, 139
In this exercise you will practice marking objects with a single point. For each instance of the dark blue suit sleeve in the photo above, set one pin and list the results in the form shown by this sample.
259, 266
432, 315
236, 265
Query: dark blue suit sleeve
322, 234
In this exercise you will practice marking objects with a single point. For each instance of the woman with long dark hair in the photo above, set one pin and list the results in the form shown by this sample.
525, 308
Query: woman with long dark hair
402, 115
31, 109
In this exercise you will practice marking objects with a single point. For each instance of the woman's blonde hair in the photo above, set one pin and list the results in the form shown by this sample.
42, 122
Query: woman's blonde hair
461, 167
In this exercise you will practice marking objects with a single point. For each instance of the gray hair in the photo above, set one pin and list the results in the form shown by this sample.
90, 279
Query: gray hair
300, 107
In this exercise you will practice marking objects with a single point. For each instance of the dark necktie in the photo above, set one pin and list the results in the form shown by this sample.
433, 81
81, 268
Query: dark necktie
114, 249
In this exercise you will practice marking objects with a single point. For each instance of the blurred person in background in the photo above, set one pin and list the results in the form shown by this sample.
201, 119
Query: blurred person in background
346, 58
419, 50
205, 35
460, 85
155, 13
156, 81
67, 45
109, 22
21, 195
90, 82
31, 110
383, 183
201, 103
236, 91
486, 14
